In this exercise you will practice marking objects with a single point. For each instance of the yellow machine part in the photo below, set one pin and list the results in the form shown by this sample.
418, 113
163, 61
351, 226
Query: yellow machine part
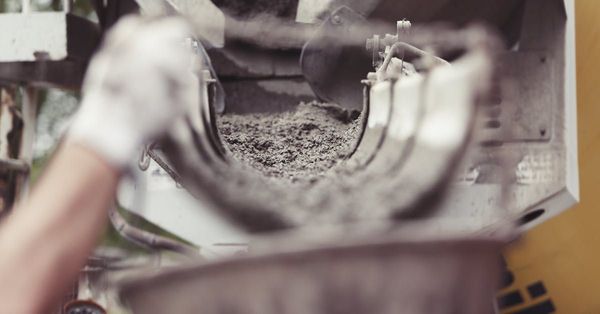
555, 267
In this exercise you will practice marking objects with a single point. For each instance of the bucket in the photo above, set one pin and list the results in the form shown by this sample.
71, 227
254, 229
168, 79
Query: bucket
387, 277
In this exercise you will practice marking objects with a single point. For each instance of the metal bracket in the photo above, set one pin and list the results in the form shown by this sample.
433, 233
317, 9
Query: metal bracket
46, 48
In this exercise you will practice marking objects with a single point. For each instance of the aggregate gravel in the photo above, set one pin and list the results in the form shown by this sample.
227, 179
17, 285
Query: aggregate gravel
294, 145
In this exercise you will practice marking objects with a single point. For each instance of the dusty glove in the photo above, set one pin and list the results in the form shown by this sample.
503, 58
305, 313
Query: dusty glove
136, 86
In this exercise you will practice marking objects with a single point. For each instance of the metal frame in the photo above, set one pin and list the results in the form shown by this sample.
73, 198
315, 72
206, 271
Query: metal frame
17, 134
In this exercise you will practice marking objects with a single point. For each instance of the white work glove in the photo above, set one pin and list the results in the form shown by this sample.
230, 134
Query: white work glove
135, 87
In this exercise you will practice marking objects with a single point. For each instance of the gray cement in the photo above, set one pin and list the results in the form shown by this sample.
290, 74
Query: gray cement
295, 145
289, 169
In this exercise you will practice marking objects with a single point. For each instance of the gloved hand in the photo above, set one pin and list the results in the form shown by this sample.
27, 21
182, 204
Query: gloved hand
135, 87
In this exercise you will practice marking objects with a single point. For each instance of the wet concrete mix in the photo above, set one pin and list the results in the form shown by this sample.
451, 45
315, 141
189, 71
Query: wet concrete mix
294, 145
285, 165
290, 169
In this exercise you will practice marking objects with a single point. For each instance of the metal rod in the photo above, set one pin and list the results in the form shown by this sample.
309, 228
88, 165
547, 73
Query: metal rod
25, 6
66, 5
29, 114
399, 50
14, 165
147, 239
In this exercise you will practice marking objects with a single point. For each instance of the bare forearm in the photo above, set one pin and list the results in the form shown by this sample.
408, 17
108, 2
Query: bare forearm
47, 239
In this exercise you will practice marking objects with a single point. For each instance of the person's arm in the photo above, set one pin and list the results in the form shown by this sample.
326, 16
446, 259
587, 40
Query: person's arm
135, 88
45, 243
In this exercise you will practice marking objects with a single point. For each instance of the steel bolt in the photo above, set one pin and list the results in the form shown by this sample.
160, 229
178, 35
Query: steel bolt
402, 26
336, 19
